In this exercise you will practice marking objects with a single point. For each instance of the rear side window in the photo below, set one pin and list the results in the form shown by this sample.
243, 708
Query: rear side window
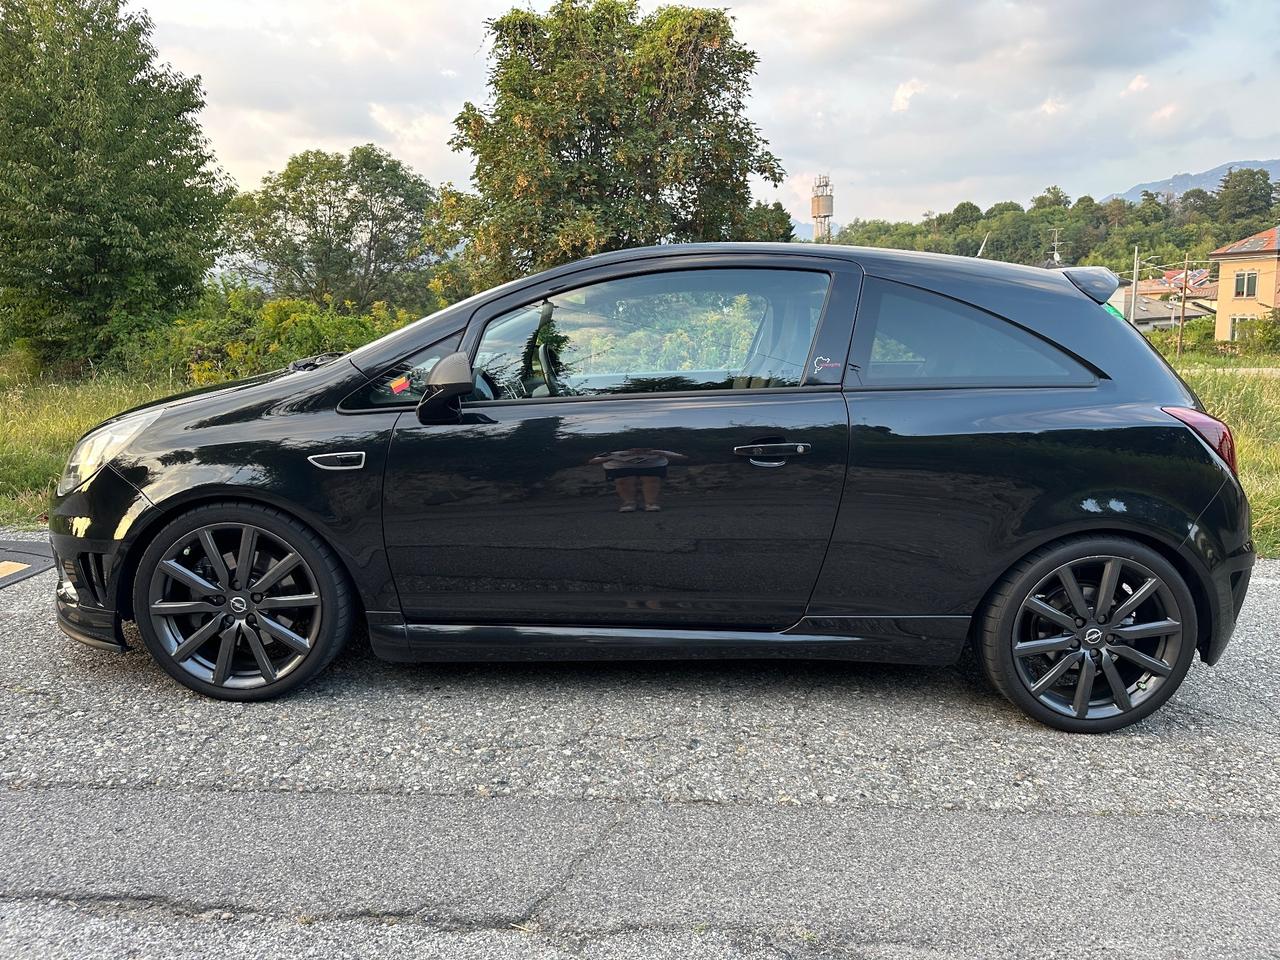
912, 338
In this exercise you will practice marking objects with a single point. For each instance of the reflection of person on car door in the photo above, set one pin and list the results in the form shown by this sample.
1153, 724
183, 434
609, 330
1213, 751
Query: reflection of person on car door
637, 475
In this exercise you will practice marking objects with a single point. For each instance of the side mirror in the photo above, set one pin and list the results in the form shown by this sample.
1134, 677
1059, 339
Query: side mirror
449, 381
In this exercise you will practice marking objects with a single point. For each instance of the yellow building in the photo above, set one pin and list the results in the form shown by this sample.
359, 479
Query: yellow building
1248, 280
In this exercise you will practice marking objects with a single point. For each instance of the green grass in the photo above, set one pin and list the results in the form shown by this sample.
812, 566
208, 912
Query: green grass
1250, 404
42, 420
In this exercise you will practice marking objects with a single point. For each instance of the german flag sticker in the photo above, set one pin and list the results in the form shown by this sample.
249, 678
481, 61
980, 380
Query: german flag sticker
400, 384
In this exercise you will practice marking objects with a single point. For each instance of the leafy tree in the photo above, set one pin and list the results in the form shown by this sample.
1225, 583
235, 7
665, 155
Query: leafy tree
345, 229
1244, 194
767, 222
1053, 196
110, 201
1197, 202
603, 129
966, 214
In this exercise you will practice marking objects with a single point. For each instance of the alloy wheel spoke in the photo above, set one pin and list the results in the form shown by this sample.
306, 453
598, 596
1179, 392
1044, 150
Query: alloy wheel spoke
1074, 593
1084, 687
277, 572
1032, 648
226, 652
192, 580
265, 665
198, 638
290, 602
176, 608
244, 558
1131, 602
284, 635
1158, 667
215, 558
1119, 692
1060, 617
1106, 595
1143, 631
1055, 672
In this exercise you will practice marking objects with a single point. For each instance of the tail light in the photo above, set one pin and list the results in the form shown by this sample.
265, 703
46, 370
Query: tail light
1214, 432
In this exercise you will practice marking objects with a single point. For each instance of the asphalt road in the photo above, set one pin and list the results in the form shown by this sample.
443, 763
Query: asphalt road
710, 810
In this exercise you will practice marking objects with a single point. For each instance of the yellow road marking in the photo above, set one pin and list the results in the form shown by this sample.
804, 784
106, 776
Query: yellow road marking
11, 566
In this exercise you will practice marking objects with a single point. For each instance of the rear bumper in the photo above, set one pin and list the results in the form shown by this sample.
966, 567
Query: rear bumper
1221, 546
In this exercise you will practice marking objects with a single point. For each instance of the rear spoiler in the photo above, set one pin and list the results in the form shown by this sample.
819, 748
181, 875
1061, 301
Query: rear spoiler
1097, 283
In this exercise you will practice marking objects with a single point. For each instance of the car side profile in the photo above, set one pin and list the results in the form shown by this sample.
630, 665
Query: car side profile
708, 450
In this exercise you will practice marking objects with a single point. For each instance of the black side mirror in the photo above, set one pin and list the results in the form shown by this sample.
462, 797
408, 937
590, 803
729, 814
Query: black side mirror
449, 381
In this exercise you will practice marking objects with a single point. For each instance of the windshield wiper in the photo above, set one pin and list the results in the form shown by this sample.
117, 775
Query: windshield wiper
310, 363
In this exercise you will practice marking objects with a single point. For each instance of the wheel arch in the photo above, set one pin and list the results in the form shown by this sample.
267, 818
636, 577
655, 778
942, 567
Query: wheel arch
1197, 580
156, 520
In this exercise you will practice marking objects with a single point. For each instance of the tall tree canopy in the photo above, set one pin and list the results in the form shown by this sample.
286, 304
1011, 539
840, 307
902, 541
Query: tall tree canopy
1089, 232
605, 129
334, 227
110, 200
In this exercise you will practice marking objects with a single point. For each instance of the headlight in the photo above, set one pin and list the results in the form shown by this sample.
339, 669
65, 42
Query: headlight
100, 447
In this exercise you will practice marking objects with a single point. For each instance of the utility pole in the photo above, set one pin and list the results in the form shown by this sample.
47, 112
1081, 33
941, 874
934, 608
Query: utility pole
1182, 321
1133, 292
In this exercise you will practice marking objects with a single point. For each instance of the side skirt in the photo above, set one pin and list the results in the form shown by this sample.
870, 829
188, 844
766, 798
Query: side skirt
919, 640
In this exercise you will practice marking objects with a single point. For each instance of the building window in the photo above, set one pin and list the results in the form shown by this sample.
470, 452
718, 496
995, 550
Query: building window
1240, 325
1247, 283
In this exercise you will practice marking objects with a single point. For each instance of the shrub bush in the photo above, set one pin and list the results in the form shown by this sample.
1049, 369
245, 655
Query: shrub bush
235, 331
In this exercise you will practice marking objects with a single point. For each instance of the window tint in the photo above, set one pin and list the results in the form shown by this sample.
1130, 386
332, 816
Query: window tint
681, 330
405, 382
909, 337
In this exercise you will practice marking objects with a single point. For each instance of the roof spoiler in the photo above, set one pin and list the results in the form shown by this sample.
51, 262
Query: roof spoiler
1097, 283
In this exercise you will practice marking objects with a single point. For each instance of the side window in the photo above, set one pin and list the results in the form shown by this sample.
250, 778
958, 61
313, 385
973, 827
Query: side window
403, 383
909, 337
710, 329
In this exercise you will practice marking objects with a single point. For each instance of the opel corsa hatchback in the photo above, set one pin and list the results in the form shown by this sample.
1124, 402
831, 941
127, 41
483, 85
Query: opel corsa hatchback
739, 450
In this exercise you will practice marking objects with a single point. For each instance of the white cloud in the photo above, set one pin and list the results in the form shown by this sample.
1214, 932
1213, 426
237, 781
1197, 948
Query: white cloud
286, 75
1138, 84
902, 96
1167, 112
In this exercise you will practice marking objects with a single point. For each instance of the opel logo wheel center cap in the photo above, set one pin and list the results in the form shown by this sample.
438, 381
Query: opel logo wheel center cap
1092, 637
238, 604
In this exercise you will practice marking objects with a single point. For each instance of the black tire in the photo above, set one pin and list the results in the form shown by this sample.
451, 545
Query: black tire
1045, 618
281, 635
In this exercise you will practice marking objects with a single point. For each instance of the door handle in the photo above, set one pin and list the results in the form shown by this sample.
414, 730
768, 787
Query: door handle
775, 453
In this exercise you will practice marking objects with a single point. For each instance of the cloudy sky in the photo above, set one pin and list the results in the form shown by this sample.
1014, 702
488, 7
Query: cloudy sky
909, 105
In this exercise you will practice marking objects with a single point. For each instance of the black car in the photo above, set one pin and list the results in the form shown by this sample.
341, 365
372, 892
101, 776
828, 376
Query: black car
724, 450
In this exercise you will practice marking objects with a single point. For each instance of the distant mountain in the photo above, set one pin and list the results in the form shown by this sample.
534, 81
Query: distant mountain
1206, 180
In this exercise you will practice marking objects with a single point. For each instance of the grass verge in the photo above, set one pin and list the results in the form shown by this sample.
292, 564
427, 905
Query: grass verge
42, 420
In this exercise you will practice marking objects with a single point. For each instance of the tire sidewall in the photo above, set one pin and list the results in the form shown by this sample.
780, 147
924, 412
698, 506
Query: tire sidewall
334, 595
999, 661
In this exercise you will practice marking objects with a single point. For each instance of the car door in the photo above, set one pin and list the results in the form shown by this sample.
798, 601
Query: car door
662, 444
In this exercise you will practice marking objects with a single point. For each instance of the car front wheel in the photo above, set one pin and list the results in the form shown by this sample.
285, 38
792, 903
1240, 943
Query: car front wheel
1090, 635
241, 602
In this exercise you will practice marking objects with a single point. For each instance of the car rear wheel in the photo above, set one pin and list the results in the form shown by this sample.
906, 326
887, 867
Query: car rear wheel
1090, 635
241, 602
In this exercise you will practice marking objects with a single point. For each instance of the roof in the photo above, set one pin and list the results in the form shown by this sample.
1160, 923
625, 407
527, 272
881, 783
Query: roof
1268, 241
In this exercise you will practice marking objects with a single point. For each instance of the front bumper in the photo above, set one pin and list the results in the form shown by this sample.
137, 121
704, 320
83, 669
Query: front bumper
89, 530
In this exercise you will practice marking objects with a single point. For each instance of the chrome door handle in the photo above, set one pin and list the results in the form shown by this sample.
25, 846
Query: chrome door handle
776, 453
772, 449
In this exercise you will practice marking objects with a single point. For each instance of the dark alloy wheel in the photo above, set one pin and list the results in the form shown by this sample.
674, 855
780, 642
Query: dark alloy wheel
240, 602
1090, 636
